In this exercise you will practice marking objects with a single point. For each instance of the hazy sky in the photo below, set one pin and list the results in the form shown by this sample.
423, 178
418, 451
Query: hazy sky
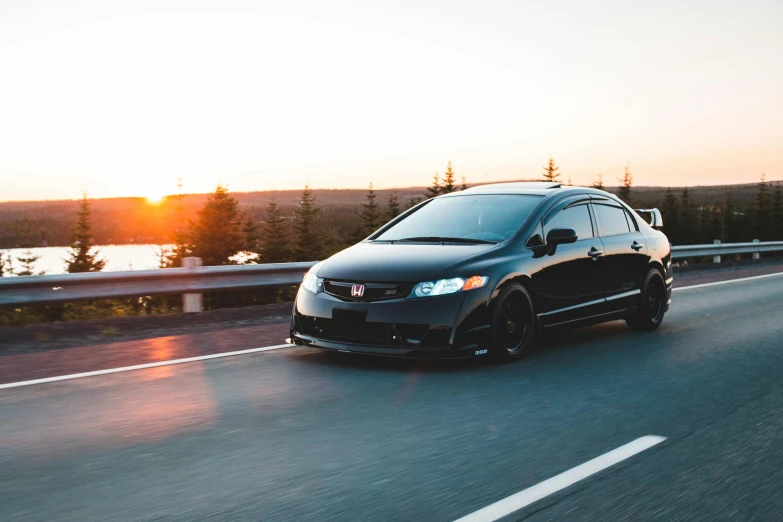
122, 98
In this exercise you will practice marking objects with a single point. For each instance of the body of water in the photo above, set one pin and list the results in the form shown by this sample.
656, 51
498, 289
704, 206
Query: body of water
118, 257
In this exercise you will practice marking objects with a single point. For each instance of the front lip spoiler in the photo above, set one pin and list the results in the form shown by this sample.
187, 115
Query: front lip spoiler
430, 352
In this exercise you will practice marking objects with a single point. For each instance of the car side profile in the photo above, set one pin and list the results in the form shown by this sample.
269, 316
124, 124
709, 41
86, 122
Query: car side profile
481, 272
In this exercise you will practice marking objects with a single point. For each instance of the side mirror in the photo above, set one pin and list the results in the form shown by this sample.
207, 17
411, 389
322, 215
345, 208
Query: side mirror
561, 236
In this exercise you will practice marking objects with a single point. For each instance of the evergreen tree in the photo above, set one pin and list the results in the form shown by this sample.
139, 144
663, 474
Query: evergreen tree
413, 201
688, 224
464, 185
762, 215
670, 212
392, 207
274, 236
5, 264
551, 171
732, 225
449, 179
173, 257
598, 181
307, 245
370, 214
626, 182
777, 214
27, 261
250, 234
82, 258
217, 234
435, 189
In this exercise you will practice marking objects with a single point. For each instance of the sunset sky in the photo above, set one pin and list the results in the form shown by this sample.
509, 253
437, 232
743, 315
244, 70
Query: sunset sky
122, 98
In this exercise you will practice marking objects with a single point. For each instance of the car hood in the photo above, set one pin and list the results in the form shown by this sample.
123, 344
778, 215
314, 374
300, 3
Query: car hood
396, 262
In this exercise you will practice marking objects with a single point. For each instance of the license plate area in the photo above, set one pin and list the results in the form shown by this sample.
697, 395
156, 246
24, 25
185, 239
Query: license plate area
342, 315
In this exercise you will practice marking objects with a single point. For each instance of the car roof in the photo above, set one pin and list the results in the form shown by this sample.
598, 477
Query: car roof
532, 188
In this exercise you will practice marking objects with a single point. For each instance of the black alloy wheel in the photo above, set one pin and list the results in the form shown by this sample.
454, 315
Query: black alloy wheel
652, 303
513, 324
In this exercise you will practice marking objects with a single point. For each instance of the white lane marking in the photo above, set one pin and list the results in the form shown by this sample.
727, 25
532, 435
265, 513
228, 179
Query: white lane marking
728, 281
141, 366
543, 489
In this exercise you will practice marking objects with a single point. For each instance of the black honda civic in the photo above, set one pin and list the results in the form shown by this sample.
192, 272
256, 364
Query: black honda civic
481, 272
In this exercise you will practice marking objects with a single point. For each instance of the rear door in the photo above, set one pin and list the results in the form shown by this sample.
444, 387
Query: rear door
625, 251
568, 284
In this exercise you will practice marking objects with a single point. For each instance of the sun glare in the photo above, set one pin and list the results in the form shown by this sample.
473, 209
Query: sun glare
155, 197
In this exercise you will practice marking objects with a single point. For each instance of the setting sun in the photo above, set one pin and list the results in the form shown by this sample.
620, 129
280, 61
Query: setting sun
155, 197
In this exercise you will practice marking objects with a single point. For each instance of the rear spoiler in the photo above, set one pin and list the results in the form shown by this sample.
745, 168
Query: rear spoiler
652, 216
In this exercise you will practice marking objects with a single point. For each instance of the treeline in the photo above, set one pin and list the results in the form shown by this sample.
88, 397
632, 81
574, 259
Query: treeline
758, 214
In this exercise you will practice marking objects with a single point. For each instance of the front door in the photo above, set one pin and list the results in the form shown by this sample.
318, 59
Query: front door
569, 284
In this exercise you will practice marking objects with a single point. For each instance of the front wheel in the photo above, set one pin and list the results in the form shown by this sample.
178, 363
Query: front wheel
652, 304
513, 324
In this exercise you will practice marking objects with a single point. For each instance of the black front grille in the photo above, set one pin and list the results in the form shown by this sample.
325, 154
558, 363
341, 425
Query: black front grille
372, 291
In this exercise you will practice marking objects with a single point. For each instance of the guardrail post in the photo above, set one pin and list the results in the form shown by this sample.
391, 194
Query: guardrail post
716, 259
192, 303
756, 255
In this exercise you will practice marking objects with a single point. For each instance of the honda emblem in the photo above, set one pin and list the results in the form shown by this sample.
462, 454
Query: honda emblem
357, 290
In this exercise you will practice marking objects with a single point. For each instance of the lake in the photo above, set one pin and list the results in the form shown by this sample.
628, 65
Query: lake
118, 257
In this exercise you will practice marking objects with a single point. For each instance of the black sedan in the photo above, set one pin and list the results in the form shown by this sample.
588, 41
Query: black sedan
481, 272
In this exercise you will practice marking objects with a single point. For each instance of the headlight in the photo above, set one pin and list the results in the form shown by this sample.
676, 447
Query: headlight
311, 282
448, 286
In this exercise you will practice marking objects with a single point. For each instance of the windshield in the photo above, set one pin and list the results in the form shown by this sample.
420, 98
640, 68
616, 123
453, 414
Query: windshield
480, 217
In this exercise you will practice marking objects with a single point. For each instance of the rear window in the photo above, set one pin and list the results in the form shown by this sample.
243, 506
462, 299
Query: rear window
611, 220
484, 217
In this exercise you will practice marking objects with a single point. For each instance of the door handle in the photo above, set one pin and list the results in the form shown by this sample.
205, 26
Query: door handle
637, 246
595, 253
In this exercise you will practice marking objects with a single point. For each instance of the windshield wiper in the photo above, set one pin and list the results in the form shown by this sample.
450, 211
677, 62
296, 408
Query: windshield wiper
438, 239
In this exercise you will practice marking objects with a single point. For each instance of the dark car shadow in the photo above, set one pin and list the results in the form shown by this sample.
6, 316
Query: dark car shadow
552, 343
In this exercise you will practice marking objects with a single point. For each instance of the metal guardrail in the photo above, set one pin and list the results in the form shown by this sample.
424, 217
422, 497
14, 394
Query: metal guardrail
719, 249
107, 285
193, 281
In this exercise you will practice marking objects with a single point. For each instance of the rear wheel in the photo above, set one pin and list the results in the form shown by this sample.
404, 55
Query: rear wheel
513, 324
652, 304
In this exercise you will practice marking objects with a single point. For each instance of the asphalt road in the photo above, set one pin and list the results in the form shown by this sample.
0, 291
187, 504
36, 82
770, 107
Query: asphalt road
296, 434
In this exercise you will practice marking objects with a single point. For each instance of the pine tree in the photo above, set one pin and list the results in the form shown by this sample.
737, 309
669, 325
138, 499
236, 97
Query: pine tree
762, 215
464, 185
731, 223
626, 182
370, 214
598, 181
82, 258
393, 206
217, 234
173, 257
777, 213
449, 179
435, 189
5, 264
307, 245
551, 171
27, 261
250, 235
688, 224
413, 201
670, 212
274, 236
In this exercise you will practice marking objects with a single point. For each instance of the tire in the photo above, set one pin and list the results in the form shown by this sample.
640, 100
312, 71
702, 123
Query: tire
652, 304
513, 324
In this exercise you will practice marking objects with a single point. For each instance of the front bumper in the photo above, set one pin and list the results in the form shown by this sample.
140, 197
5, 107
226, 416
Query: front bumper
449, 326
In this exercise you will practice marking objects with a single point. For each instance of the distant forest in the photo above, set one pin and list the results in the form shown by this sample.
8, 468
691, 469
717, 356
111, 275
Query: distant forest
700, 215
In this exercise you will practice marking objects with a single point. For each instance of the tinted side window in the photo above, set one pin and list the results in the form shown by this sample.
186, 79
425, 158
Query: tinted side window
611, 220
577, 217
